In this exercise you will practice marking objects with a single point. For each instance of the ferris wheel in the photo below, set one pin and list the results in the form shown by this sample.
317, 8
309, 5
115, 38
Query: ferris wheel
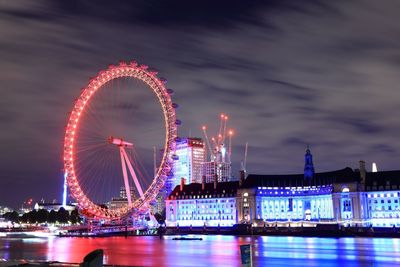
101, 145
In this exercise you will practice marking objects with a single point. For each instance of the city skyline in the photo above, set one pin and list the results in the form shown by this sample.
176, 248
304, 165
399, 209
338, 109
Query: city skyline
287, 74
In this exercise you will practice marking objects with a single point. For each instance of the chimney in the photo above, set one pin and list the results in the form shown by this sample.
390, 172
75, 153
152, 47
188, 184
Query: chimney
182, 183
241, 177
203, 182
215, 181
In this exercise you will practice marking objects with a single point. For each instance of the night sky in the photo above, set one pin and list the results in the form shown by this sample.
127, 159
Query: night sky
288, 73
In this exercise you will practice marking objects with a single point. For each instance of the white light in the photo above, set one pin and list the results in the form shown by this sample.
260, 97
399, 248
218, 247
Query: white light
374, 167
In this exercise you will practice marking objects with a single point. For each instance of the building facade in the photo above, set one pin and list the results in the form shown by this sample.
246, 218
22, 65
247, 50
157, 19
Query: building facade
346, 197
382, 198
205, 204
213, 169
122, 200
286, 198
191, 154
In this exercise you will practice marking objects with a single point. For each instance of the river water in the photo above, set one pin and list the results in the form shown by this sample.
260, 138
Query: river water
211, 251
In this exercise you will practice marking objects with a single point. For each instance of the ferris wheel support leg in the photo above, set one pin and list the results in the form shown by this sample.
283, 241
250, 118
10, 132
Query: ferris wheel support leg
124, 172
133, 174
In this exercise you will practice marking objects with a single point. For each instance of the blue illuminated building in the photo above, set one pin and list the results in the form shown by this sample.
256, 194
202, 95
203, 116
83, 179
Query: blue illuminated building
346, 197
285, 198
190, 154
205, 204
383, 195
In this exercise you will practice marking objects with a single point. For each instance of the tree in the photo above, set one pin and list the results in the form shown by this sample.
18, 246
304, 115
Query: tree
52, 216
74, 216
62, 215
11, 216
42, 216
25, 218
33, 216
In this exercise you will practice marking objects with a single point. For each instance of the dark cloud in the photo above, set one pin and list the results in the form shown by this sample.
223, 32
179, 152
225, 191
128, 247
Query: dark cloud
288, 73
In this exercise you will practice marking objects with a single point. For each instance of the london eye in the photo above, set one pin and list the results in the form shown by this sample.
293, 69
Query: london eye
108, 138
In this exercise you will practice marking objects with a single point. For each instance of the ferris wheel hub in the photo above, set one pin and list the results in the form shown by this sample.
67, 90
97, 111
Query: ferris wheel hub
119, 142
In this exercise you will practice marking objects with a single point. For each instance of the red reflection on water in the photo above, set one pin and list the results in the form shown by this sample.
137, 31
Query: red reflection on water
211, 251
147, 251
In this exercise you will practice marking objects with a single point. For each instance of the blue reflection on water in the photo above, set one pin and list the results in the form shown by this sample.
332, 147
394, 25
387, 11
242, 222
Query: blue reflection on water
211, 251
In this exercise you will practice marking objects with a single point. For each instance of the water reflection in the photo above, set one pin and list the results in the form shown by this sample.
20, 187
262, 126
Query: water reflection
211, 251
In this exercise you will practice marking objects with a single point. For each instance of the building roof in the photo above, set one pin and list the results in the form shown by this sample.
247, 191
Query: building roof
224, 189
382, 180
323, 178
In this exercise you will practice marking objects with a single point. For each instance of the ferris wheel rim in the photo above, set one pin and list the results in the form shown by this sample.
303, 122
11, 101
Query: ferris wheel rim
157, 85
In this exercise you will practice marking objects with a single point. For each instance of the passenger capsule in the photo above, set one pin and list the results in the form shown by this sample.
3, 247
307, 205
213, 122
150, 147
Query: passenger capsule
170, 91
175, 157
133, 63
178, 122
175, 105
152, 70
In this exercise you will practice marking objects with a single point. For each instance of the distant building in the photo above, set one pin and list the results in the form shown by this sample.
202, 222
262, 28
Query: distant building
221, 170
122, 192
54, 206
158, 204
122, 200
191, 154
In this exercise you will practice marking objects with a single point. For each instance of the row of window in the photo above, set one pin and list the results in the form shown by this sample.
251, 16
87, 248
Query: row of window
376, 195
205, 218
198, 206
382, 208
385, 215
205, 201
205, 211
389, 201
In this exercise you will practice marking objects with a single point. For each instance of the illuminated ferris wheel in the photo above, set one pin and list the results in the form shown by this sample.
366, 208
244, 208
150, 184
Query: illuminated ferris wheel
110, 126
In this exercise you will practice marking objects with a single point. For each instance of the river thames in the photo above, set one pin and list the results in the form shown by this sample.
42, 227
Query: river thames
211, 251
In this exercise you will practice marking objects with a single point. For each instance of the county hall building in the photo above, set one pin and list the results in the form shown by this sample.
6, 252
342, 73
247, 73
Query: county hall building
346, 196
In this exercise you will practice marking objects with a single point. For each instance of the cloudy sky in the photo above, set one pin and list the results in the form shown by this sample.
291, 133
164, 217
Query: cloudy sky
288, 73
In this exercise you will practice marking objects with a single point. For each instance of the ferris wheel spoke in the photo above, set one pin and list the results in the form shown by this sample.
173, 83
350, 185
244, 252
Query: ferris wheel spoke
89, 148
96, 176
96, 118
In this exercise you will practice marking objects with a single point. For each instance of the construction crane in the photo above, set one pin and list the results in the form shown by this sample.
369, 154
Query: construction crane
216, 148
245, 156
